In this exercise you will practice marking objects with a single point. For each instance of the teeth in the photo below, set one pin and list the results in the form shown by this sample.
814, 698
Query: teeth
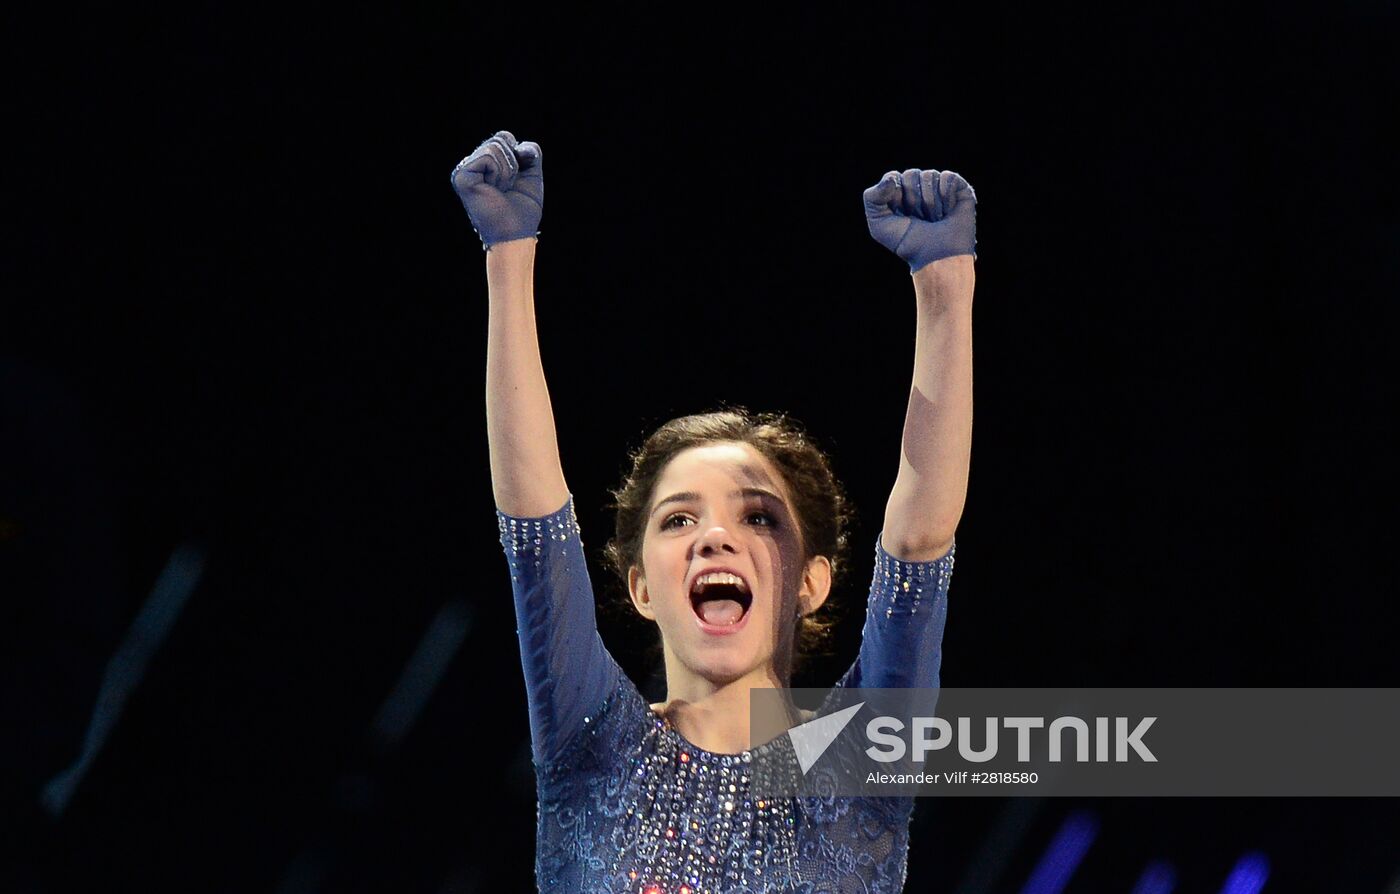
719, 577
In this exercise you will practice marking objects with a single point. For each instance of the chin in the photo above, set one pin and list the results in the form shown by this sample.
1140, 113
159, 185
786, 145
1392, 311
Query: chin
722, 669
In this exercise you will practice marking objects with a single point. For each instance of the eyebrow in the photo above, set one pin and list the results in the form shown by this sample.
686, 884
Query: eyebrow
689, 495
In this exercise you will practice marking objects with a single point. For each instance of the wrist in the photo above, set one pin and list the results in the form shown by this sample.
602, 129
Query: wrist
951, 268
511, 248
946, 280
510, 268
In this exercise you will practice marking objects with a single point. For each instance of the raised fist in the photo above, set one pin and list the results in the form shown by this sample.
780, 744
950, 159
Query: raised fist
923, 216
501, 184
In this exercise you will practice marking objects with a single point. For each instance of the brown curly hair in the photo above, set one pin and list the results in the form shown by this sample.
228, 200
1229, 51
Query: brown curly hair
824, 514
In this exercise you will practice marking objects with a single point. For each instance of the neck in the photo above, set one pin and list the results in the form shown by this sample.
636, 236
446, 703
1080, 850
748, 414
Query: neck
716, 716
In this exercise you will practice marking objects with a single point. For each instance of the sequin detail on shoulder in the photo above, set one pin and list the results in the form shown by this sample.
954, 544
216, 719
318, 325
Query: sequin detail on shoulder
523, 537
901, 587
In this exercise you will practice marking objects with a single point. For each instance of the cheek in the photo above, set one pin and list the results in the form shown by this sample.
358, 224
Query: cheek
781, 563
777, 583
664, 583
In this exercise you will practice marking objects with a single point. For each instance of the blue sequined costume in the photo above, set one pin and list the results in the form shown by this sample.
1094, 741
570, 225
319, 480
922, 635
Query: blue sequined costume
626, 804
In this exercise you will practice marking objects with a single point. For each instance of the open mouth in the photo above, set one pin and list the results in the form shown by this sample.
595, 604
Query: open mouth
720, 602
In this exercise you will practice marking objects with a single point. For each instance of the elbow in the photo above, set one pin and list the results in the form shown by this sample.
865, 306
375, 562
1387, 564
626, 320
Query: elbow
924, 546
919, 527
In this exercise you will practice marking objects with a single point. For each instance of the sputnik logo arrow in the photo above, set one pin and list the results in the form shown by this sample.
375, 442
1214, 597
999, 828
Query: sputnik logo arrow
811, 739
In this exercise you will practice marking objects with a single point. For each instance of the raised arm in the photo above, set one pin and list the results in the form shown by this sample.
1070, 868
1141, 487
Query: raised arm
501, 184
928, 218
568, 671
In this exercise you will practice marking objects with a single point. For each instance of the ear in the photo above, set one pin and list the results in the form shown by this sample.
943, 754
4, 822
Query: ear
816, 585
637, 588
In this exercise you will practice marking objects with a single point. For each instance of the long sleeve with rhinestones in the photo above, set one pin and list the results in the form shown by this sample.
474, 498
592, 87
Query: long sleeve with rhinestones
901, 646
568, 671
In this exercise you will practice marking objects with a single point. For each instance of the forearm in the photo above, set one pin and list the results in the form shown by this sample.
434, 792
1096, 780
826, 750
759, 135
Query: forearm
927, 500
526, 476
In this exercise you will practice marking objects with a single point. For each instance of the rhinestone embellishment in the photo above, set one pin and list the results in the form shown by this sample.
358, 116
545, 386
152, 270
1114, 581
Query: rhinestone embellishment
902, 585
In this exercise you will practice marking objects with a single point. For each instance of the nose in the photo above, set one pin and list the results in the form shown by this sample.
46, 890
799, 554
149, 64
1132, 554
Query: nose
716, 539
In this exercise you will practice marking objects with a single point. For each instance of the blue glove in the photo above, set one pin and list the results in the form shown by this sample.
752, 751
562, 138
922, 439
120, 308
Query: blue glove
501, 184
923, 216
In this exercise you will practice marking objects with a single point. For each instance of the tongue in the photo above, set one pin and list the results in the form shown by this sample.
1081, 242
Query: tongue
721, 612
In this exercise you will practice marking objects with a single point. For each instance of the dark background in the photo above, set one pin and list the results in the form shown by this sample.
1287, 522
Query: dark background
244, 316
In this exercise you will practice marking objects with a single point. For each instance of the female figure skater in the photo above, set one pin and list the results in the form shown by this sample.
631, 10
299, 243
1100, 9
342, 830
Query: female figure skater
729, 534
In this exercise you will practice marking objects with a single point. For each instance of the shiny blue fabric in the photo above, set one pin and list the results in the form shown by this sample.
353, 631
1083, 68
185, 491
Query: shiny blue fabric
626, 804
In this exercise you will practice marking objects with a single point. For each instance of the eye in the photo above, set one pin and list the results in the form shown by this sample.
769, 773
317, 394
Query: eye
667, 522
759, 518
